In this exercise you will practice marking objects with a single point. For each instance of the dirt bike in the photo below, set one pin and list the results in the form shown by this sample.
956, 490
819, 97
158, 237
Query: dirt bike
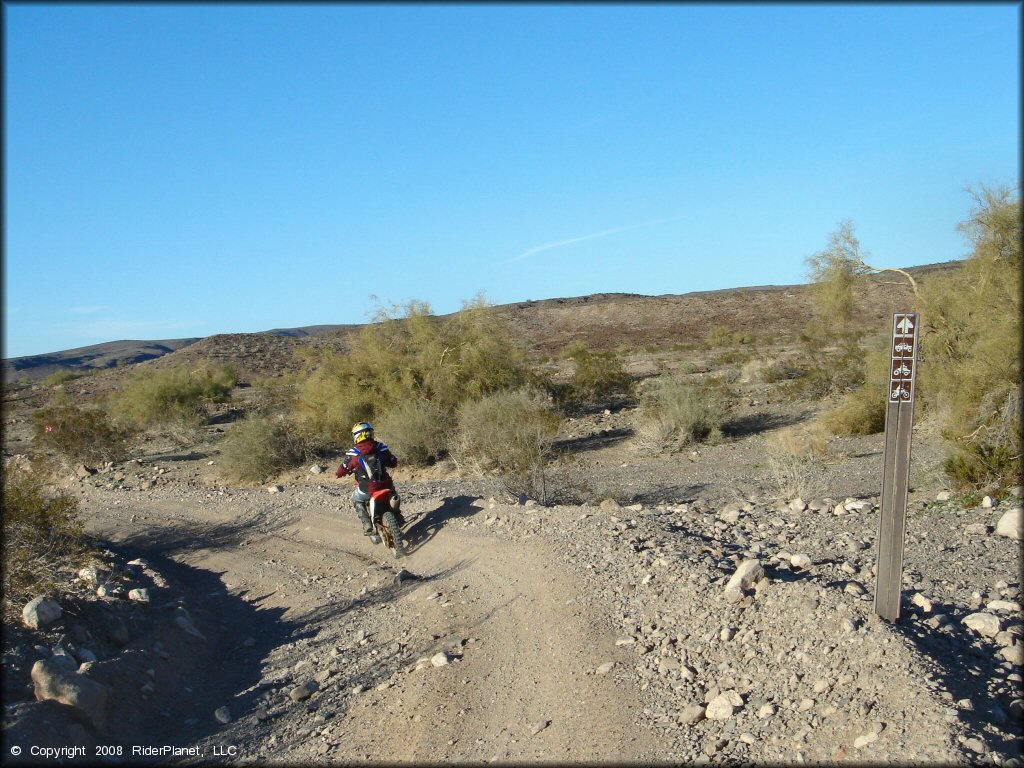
386, 518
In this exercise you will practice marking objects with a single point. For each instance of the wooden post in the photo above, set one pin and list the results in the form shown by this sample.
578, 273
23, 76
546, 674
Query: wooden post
899, 422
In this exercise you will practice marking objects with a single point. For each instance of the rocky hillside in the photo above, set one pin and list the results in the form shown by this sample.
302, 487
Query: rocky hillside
602, 321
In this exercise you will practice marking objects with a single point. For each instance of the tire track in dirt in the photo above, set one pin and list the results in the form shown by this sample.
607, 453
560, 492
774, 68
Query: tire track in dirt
523, 689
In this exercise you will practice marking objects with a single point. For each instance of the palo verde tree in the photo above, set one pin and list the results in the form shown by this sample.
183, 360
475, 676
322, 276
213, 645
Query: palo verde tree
971, 346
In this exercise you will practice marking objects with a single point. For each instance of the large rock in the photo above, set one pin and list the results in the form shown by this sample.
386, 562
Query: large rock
40, 613
1011, 524
87, 697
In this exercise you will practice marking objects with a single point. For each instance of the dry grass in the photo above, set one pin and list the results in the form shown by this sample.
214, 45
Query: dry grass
796, 463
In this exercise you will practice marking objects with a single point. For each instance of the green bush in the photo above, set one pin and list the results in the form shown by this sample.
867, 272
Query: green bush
723, 336
508, 434
827, 366
42, 536
597, 375
57, 378
969, 377
861, 411
161, 397
416, 431
674, 413
260, 447
80, 434
407, 354
779, 371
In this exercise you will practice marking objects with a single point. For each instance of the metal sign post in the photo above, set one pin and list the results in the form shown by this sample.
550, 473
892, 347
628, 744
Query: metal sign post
899, 421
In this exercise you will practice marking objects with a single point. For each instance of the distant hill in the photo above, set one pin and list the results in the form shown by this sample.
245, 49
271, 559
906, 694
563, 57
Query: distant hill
602, 321
126, 352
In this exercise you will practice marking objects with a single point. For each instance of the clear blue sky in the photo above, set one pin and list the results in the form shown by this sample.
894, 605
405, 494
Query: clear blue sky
184, 170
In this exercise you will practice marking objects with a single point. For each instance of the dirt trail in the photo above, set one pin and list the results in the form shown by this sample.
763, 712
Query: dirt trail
524, 645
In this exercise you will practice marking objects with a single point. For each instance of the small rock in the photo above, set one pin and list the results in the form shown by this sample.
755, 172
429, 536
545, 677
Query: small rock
724, 705
984, 624
922, 602
304, 691
139, 595
798, 504
440, 659
184, 621
275, 489
605, 668
109, 590
730, 514
1004, 606
747, 573
691, 714
90, 575
978, 529
854, 588
316, 469
801, 561
943, 496
987, 503
610, 504
865, 739
41, 612
403, 576
117, 630
765, 711
976, 745
1013, 653
539, 726
222, 715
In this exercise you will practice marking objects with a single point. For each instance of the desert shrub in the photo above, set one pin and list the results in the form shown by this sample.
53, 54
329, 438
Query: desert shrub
508, 434
329, 399
80, 434
674, 413
42, 535
795, 458
172, 396
408, 354
57, 378
778, 370
416, 430
861, 411
259, 447
826, 366
969, 375
597, 375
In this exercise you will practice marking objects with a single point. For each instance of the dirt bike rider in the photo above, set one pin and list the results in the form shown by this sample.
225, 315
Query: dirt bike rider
368, 461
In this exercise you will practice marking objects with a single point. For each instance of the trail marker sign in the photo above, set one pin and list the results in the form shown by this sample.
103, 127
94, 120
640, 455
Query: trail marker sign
899, 422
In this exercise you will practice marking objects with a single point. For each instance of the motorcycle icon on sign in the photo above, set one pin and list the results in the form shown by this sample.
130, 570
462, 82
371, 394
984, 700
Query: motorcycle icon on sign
900, 392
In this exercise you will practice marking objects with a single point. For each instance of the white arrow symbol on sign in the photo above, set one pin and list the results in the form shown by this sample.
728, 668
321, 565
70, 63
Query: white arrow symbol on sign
905, 325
